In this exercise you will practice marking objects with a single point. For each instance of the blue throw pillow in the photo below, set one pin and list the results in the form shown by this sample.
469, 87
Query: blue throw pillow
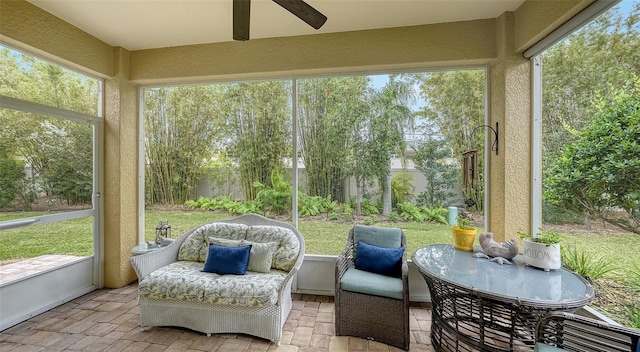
227, 260
379, 260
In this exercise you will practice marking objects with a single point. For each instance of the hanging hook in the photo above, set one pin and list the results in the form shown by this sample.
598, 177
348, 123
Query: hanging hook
494, 146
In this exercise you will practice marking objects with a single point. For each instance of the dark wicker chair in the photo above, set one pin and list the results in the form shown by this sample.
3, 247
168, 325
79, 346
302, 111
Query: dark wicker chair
571, 332
370, 317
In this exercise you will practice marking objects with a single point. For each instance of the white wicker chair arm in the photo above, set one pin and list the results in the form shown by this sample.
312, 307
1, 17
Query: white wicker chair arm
146, 263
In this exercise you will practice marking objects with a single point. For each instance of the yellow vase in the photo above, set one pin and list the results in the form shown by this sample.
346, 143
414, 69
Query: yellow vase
463, 239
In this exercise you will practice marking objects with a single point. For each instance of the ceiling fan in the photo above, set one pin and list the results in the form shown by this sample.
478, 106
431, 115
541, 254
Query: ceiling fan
304, 11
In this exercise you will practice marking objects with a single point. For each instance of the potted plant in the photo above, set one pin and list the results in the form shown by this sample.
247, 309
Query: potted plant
463, 234
541, 250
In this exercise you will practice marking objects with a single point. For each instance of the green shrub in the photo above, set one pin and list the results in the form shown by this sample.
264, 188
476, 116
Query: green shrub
588, 265
410, 212
401, 188
393, 216
277, 197
334, 216
248, 207
368, 221
310, 205
328, 206
346, 208
369, 208
11, 177
556, 215
600, 168
436, 214
227, 203
352, 203
205, 203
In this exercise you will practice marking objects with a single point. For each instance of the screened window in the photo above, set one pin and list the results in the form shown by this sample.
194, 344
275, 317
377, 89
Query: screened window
368, 149
49, 118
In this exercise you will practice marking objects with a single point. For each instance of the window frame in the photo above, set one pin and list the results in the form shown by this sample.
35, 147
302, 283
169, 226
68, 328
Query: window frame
97, 124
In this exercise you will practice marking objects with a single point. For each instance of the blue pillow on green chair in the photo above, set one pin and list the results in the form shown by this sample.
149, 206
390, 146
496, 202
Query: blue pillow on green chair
379, 260
227, 260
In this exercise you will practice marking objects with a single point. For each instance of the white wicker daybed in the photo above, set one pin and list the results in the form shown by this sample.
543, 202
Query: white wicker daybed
175, 292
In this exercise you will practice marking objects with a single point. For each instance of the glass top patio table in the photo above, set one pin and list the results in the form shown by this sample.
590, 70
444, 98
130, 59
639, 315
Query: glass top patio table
481, 305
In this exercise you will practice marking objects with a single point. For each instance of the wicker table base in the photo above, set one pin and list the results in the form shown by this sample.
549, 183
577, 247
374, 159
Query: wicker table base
464, 322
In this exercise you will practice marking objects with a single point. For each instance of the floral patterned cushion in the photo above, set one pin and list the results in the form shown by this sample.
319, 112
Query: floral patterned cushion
252, 289
288, 248
179, 280
195, 247
184, 280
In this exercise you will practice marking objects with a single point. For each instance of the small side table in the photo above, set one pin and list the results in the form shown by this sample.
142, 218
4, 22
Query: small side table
145, 248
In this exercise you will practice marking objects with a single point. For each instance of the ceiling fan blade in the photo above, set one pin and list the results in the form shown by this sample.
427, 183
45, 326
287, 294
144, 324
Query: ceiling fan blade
241, 12
304, 12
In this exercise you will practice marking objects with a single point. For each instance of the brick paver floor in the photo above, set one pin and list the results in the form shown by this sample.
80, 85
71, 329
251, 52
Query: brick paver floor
107, 320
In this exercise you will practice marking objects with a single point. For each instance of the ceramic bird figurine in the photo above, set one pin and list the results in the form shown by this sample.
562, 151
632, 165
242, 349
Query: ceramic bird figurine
501, 252
164, 241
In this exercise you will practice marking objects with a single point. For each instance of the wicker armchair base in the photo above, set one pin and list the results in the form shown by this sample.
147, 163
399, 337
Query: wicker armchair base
572, 332
376, 318
373, 318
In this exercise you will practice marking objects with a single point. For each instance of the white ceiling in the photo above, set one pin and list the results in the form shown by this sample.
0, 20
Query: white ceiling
145, 24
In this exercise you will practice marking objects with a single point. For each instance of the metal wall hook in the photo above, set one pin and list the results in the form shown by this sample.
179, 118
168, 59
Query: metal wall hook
494, 146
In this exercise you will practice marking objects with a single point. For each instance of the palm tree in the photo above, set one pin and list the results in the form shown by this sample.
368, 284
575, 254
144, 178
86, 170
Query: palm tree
391, 115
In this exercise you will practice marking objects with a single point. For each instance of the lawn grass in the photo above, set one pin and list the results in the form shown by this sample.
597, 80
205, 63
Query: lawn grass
321, 236
70, 237
622, 249
73, 237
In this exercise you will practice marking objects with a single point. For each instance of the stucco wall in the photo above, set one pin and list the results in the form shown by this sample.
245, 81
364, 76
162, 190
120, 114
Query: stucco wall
120, 173
28, 27
454, 44
510, 105
535, 19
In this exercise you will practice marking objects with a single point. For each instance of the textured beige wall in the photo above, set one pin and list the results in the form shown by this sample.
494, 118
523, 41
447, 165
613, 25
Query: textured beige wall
510, 106
454, 44
28, 27
120, 173
535, 19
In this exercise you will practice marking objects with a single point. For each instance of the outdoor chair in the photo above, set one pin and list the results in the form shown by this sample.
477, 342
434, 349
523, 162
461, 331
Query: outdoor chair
561, 331
372, 289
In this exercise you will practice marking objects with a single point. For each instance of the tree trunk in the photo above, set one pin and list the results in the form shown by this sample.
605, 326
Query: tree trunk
359, 192
386, 196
